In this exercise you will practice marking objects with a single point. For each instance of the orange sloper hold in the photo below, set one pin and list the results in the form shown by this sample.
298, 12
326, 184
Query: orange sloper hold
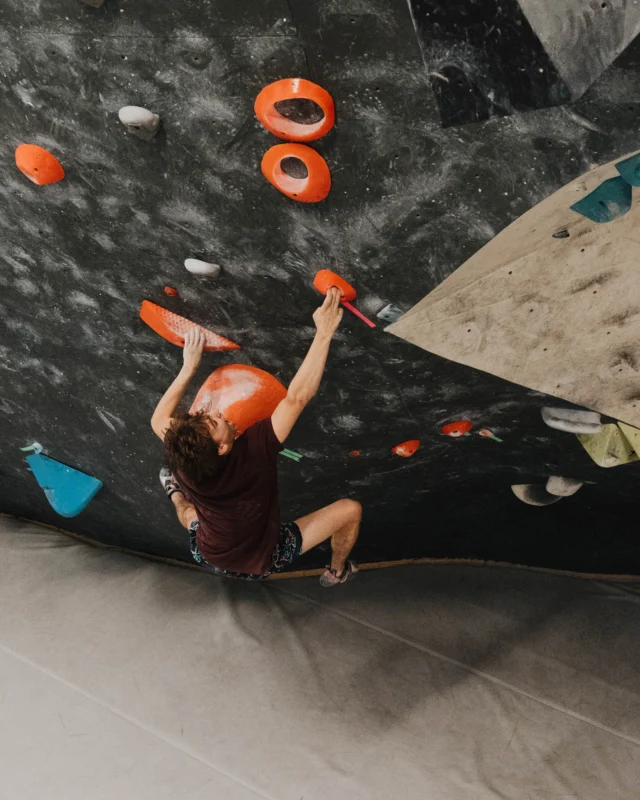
406, 449
173, 328
244, 395
38, 164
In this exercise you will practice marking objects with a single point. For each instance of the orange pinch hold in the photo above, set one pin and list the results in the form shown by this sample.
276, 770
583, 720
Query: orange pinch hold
243, 395
459, 428
38, 164
406, 449
326, 279
171, 291
310, 189
269, 115
173, 328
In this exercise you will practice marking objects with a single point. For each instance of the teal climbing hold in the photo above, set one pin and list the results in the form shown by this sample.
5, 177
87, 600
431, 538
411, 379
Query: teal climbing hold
609, 201
630, 170
68, 490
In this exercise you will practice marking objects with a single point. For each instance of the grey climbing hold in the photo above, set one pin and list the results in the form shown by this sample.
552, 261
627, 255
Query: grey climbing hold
562, 487
629, 169
607, 202
572, 420
94, 3
390, 313
534, 495
197, 267
139, 121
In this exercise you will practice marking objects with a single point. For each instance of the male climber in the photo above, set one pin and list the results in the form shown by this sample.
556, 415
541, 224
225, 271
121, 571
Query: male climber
225, 489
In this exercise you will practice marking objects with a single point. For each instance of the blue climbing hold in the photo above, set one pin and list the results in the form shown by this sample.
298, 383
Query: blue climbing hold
68, 490
609, 201
630, 169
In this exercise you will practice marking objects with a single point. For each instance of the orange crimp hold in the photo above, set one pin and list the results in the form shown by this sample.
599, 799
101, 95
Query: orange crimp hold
313, 188
294, 89
38, 164
325, 280
173, 328
406, 449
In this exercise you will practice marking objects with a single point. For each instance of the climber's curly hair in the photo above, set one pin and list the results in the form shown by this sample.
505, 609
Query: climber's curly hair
189, 448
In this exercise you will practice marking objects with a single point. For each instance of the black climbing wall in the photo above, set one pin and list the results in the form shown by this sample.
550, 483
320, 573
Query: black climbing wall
410, 201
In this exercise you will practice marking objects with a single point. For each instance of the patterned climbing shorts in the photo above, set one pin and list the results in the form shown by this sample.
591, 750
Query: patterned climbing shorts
287, 550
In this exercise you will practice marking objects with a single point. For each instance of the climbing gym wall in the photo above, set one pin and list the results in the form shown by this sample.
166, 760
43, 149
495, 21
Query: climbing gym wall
168, 200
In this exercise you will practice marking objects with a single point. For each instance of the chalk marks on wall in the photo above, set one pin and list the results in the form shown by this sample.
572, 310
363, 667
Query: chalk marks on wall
173, 328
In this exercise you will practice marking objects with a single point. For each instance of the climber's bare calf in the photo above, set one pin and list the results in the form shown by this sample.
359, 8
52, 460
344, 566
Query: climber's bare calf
339, 522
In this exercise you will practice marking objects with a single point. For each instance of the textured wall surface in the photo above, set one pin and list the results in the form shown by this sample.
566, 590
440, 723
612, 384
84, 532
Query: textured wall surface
410, 202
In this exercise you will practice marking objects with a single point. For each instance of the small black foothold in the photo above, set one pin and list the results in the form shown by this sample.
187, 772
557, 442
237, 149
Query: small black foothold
564, 234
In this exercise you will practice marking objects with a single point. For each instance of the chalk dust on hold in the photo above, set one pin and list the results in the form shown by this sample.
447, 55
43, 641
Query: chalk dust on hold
245, 384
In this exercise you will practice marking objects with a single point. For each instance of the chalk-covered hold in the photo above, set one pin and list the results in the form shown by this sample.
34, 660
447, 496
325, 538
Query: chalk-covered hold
534, 495
197, 267
572, 420
562, 487
139, 121
390, 313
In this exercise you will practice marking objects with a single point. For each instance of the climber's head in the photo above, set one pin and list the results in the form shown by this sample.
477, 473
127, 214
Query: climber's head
196, 444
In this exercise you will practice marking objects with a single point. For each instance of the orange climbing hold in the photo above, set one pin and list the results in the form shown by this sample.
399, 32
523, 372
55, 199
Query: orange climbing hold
244, 395
354, 453
311, 189
38, 164
173, 328
170, 291
406, 449
294, 89
458, 428
325, 280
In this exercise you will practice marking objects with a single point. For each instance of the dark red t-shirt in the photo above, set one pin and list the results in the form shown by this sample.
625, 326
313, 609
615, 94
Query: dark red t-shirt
238, 509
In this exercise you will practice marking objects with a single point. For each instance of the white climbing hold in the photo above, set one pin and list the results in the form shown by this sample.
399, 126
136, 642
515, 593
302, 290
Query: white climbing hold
390, 313
139, 121
572, 420
197, 267
562, 487
534, 495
